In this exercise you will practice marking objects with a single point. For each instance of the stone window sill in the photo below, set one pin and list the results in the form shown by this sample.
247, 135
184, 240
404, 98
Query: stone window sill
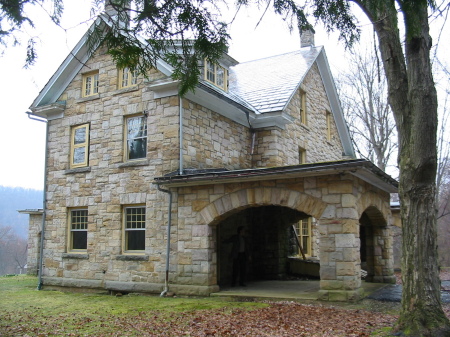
125, 90
88, 98
78, 170
75, 256
132, 257
135, 163
304, 126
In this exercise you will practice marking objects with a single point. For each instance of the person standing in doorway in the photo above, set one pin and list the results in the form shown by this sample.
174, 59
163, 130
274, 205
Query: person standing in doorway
239, 254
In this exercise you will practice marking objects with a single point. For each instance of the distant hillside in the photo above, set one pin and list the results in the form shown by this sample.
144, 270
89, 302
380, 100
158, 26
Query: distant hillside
13, 199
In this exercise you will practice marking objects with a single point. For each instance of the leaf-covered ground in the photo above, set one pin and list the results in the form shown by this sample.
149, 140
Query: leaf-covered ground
26, 312
277, 319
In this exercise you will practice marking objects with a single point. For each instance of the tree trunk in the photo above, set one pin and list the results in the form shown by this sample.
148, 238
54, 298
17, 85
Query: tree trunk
413, 99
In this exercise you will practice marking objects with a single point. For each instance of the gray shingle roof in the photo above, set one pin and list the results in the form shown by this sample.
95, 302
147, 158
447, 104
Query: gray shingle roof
268, 84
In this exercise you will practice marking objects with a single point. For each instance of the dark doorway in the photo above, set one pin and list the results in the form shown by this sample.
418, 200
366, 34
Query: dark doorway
268, 234
372, 224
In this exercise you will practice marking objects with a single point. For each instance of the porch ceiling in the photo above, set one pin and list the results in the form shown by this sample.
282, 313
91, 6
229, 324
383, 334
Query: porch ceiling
360, 168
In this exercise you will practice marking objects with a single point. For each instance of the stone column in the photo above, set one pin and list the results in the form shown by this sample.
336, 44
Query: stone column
340, 262
383, 255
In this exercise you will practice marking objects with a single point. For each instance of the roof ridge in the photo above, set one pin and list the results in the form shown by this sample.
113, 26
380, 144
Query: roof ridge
278, 55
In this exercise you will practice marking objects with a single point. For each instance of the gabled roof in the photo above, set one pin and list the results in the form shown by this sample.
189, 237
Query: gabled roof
259, 91
70, 67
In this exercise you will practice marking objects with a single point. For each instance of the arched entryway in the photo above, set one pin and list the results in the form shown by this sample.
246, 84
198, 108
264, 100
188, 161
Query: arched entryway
269, 234
376, 246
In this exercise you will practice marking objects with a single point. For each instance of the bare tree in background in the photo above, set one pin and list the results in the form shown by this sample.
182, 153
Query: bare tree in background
363, 92
13, 252
443, 184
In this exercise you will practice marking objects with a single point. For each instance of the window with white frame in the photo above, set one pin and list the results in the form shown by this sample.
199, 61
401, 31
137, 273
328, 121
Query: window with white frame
90, 84
303, 229
78, 227
134, 229
127, 77
136, 137
79, 146
216, 74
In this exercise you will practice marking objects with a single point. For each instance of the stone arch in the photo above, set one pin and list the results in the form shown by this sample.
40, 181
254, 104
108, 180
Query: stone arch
375, 204
267, 213
261, 196
376, 239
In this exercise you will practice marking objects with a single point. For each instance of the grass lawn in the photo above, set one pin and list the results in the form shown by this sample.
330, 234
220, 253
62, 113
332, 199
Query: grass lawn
24, 311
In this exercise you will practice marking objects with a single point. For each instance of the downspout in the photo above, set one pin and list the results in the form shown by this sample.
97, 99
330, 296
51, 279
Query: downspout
253, 133
166, 282
44, 200
180, 171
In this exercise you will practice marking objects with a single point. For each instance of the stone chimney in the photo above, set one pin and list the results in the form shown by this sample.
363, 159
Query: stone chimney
117, 14
306, 38
109, 8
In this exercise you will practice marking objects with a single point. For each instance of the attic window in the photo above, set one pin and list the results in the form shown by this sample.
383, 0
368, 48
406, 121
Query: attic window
127, 77
90, 84
216, 74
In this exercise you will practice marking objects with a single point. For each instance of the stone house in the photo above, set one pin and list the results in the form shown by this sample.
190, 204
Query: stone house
142, 186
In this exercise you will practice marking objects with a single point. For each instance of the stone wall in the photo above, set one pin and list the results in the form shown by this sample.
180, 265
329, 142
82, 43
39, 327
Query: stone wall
34, 243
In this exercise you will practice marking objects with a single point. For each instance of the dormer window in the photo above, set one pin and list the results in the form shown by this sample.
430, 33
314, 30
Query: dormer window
127, 78
216, 74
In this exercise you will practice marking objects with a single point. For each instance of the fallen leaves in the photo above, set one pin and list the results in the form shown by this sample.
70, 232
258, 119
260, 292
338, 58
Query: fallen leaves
277, 319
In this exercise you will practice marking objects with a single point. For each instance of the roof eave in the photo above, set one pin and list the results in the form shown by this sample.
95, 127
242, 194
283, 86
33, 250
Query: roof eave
360, 168
34, 211
335, 104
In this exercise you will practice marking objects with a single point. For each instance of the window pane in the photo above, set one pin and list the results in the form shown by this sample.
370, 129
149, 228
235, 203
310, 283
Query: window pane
135, 240
79, 219
78, 232
80, 135
125, 73
137, 148
305, 244
210, 71
137, 137
79, 240
134, 77
79, 155
95, 91
135, 217
87, 90
135, 228
220, 76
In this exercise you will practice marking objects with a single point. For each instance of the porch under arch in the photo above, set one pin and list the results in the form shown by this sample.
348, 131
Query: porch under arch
213, 204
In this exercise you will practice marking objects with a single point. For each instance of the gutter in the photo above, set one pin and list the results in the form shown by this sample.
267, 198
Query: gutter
166, 282
44, 200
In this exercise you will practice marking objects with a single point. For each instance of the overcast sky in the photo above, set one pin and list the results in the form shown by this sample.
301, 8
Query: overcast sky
23, 140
